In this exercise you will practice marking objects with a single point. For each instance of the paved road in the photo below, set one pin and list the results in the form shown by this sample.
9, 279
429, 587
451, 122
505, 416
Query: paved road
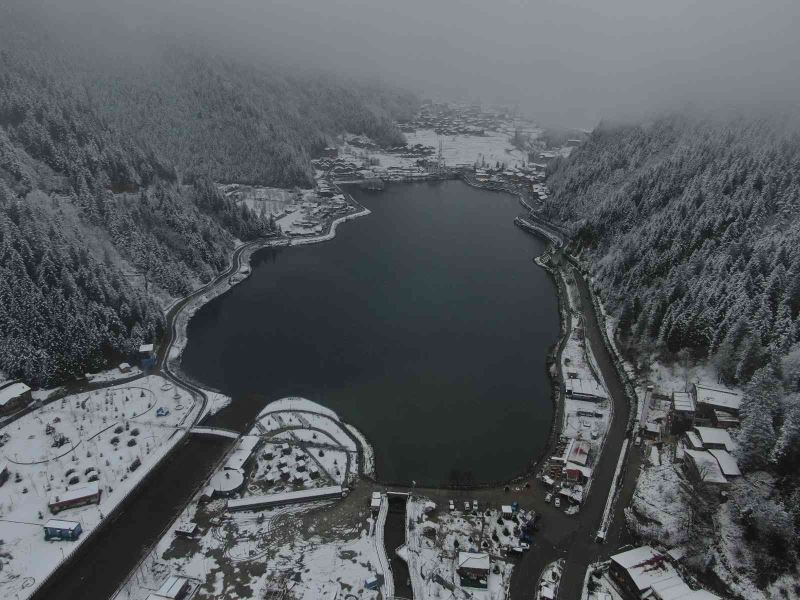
584, 550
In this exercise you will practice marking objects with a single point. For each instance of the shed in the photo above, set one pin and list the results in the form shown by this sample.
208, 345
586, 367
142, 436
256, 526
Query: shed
56, 529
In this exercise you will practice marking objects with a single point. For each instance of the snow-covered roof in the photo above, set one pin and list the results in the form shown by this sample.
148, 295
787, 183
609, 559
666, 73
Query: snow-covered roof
575, 492
694, 440
683, 401
585, 388
642, 569
12, 391
577, 452
727, 462
584, 470
146, 348
676, 589
60, 524
252, 502
172, 587
473, 560
715, 436
91, 489
718, 397
227, 480
707, 466
652, 427
673, 588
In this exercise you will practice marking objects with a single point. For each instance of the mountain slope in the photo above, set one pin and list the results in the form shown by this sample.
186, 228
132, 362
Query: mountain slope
692, 224
109, 159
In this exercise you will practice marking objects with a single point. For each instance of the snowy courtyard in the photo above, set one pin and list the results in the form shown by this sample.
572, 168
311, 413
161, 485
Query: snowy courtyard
97, 444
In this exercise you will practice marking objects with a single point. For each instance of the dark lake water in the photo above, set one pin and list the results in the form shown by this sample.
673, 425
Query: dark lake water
425, 324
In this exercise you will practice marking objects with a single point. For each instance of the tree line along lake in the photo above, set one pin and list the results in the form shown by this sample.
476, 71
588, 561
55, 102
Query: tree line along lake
425, 324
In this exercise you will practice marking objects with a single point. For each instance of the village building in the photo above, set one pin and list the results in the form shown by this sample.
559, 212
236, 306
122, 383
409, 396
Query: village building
682, 413
724, 420
710, 438
14, 395
702, 467
89, 494
577, 452
258, 502
55, 529
473, 569
147, 356
636, 571
585, 389
709, 398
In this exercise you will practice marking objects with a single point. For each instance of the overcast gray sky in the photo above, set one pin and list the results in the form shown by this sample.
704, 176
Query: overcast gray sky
566, 62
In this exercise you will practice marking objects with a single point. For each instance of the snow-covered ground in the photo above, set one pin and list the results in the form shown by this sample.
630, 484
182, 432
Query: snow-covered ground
435, 537
659, 510
102, 434
310, 549
491, 148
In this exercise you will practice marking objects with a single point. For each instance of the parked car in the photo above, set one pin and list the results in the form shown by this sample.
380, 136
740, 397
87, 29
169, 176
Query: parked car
466, 506
558, 502
548, 497
452, 505
475, 505
524, 545
638, 441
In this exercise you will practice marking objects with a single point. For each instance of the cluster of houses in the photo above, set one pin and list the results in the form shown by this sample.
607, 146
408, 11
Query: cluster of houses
644, 572
456, 119
700, 420
526, 179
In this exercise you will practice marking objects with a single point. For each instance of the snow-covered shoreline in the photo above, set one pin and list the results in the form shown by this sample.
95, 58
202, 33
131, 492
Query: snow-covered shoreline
226, 283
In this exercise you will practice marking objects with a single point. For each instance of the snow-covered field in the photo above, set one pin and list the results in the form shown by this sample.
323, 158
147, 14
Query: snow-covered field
435, 538
101, 435
491, 148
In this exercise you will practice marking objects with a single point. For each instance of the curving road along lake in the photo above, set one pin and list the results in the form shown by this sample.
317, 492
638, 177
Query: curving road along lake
425, 324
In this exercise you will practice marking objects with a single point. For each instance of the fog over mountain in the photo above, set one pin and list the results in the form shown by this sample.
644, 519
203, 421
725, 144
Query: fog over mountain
569, 63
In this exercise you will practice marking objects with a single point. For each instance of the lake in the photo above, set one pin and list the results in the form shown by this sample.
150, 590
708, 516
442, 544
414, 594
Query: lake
425, 324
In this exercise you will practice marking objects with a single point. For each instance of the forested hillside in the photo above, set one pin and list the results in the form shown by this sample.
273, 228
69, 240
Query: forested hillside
692, 229
109, 158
